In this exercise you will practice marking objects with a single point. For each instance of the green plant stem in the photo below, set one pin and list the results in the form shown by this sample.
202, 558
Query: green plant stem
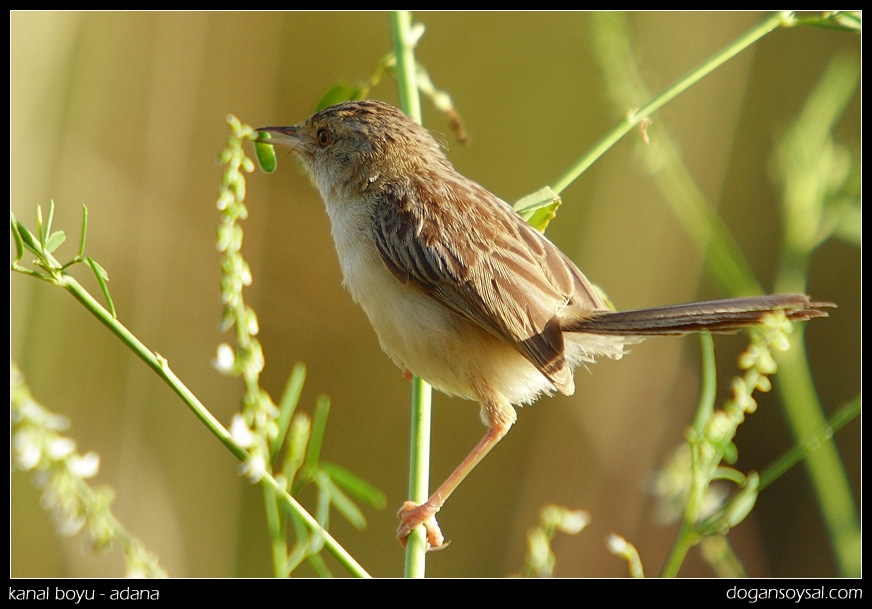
278, 543
829, 479
155, 361
419, 460
719, 553
333, 546
404, 50
842, 417
805, 167
686, 539
688, 535
732, 272
633, 119
708, 384
419, 471
160, 365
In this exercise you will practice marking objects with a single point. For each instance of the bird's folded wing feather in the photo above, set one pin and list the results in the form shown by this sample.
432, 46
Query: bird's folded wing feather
470, 252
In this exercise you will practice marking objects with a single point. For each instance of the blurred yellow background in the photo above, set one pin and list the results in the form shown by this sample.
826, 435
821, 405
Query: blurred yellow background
125, 113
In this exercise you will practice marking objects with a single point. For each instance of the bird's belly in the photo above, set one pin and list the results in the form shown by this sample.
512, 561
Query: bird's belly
451, 353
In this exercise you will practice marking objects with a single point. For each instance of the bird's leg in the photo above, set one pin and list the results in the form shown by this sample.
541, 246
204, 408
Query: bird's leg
499, 417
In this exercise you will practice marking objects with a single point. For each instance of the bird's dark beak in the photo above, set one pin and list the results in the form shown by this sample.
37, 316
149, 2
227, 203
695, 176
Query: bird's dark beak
280, 136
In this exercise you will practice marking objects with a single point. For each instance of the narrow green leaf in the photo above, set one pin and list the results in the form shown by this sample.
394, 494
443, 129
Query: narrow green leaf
301, 548
39, 228
355, 485
319, 565
288, 405
322, 512
295, 454
27, 238
19, 242
97, 268
84, 230
319, 423
102, 277
343, 504
47, 228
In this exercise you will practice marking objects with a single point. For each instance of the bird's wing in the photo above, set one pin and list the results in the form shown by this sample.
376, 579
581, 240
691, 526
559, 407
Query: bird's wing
472, 253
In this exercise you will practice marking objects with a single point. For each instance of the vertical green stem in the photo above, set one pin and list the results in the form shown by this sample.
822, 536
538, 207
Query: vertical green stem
419, 466
419, 472
826, 471
404, 50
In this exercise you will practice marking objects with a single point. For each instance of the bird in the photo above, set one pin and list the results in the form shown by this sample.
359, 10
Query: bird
460, 290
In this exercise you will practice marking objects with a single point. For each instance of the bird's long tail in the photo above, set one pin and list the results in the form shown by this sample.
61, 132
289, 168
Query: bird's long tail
727, 315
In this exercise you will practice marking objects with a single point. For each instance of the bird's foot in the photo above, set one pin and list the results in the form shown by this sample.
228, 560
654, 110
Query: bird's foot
413, 515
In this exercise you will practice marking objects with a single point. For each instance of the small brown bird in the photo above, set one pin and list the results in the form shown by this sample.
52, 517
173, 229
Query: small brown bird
460, 290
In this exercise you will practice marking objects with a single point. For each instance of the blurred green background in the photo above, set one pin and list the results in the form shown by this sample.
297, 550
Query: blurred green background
125, 113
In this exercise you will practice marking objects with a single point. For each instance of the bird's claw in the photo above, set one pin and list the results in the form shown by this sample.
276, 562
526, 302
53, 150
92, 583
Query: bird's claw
413, 515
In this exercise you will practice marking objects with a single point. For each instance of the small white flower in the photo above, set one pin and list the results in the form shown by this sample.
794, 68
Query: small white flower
70, 525
617, 544
27, 453
32, 411
574, 521
245, 274
85, 466
251, 319
240, 432
61, 448
718, 429
254, 468
225, 360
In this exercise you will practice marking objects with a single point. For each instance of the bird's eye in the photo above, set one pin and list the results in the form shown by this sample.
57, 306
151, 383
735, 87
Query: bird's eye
323, 137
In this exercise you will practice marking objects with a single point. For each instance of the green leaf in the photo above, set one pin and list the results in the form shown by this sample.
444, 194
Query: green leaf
51, 208
98, 270
319, 423
27, 238
40, 227
287, 405
44, 228
319, 565
19, 242
355, 485
54, 241
102, 277
84, 230
342, 502
539, 208
341, 92
295, 455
